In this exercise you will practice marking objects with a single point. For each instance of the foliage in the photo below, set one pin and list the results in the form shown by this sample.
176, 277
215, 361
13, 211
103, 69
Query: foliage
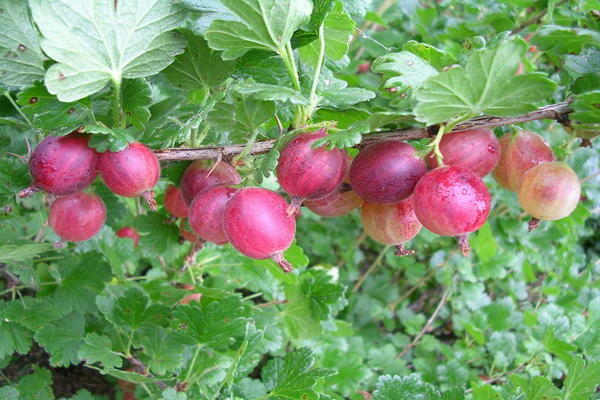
353, 321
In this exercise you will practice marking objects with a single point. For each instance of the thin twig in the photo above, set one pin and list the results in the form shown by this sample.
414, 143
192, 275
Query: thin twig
535, 19
428, 324
553, 111
372, 268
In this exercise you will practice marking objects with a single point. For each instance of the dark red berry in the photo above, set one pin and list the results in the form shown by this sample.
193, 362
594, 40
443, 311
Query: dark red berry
131, 172
202, 174
308, 173
477, 150
386, 172
392, 224
452, 201
174, 202
257, 224
62, 165
519, 153
206, 213
77, 217
129, 232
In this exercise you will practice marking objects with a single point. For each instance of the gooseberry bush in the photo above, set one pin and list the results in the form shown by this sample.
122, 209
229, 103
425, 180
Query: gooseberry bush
299, 199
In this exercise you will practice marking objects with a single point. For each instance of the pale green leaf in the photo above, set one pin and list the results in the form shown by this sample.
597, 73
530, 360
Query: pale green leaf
13, 253
536, 388
62, 339
403, 69
587, 107
93, 43
408, 387
98, 348
582, 379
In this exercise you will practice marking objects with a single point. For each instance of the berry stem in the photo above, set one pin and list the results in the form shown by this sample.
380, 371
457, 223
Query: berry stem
294, 207
189, 259
28, 191
464, 245
282, 262
401, 251
148, 195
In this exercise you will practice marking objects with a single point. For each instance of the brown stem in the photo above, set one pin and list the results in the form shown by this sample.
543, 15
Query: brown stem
534, 223
189, 259
401, 251
282, 262
464, 245
148, 195
294, 207
553, 111
28, 191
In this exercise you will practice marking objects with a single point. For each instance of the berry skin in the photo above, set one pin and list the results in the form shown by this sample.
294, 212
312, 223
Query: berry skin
307, 173
174, 202
519, 153
77, 217
62, 165
203, 174
392, 224
131, 172
452, 201
206, 213
131, 233
386, 172
257, 224
477, 150
549, 191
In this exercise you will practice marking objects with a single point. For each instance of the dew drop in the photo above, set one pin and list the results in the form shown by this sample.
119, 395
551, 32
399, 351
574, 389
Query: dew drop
22, 47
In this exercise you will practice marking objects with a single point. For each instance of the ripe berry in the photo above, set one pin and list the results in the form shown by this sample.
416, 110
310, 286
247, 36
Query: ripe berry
386, 172
202, 174
77, 217
339, 202
392, 224
191, 297
131, 172
62, 165
307, 173
549, 191
257, 224
131, 233
518, 153
452, 201
174, 202
477, 150
206, 213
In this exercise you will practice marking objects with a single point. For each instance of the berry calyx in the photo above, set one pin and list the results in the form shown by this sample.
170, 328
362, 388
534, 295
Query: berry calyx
386, 172
477, 150
174, 202
305, 172
62, 165
518, 153
549, 191
203, 174
257, 224
131, 172
206, 213
131, 233
451, 201
391, 224
77, 217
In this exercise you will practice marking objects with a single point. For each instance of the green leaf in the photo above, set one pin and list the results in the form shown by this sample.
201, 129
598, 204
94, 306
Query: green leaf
108, 139
13, 253
586, 107
133, 310
487, 84
157, 234
62, 339
9, 393
137, 97
587, 62
314, 300
81, 395
98, 348
485, 392
344, 138
163, 349
536, 388
484, 244
93, 43
32, 313
15, 338
562, 39
21, 59
582, 379
220, 324
403, 70
199, 66
264, 164
260, 24
265, 91
37, 385
404, 388
292, 377
47, 113
335, 93
435, 57
172, 394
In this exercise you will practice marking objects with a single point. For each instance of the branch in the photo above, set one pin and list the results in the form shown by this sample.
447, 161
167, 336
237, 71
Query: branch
554, 111
536, 19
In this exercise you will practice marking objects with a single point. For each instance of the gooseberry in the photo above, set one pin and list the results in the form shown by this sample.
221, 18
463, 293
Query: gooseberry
77, 217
